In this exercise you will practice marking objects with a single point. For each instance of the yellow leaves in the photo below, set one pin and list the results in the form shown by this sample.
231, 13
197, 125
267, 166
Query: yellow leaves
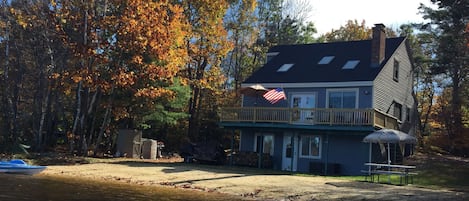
138, 59
154, 92
54, 76
154, 28
120, 113
125, 79
20, 19
251, 4
76, 78
53, 3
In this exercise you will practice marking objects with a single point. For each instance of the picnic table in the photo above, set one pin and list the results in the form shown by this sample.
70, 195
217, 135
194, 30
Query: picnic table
376, 169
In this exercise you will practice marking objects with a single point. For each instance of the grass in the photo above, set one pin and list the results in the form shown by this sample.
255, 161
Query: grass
437, 171
434, 171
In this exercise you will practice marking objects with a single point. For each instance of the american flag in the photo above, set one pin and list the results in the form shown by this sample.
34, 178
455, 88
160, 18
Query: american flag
275, 95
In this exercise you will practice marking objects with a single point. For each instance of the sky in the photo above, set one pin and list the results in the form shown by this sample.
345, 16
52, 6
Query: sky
331, 14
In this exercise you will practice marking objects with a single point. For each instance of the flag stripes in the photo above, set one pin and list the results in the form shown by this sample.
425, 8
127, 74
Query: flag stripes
275, 95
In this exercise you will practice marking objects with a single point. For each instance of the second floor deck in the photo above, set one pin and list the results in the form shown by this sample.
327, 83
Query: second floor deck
310, 116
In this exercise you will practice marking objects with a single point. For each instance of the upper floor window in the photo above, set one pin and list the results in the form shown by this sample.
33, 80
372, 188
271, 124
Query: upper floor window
342, 98
310, 146
395, 74
398, 111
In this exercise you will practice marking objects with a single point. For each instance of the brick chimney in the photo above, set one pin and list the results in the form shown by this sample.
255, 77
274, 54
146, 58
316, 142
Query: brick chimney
378, 45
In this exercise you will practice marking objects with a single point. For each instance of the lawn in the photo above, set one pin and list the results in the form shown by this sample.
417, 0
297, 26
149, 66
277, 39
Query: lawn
434, 171
438, 171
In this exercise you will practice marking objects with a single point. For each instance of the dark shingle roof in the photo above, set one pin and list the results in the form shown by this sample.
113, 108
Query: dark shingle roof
306, 57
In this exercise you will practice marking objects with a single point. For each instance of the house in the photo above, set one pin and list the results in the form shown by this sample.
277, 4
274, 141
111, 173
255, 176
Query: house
336, 94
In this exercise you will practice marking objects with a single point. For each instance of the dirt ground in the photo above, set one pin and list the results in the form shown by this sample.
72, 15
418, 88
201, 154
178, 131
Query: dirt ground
248, 184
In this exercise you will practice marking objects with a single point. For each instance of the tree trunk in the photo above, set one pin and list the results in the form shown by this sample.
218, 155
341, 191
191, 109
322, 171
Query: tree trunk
76, 118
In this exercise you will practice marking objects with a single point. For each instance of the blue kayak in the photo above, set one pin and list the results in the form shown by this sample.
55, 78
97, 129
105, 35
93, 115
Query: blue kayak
18, 166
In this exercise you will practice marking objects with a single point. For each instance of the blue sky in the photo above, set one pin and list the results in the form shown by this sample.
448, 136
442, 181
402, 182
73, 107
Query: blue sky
331, 14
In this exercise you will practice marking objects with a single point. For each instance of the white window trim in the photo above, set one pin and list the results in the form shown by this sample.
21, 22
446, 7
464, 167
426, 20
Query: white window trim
265, 134
315, 94
356, 90
301, 147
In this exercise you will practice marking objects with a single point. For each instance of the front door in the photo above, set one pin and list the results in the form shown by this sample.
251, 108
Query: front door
289, 153
304, 104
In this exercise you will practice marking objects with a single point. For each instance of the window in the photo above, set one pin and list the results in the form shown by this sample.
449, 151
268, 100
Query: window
398, 111
407, 114
351, 64
267, 143
342, 98
270, 56
326, 60
310, 146
395, 75
285, 67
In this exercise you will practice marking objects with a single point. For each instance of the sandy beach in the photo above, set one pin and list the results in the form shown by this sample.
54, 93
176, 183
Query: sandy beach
249, 184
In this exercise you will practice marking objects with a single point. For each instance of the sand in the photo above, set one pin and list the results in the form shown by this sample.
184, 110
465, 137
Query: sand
249, 184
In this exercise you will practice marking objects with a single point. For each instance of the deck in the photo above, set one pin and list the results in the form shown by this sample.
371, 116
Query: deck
314, 116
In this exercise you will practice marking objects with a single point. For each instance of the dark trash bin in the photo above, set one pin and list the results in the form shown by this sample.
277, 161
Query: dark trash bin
319, 168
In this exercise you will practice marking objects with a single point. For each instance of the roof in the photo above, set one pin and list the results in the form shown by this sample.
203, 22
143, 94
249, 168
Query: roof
305, 59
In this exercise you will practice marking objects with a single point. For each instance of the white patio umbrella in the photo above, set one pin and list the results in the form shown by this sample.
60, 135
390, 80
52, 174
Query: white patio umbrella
388, 136
255, 90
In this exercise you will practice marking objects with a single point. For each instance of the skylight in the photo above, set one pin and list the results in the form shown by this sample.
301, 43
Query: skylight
351, 64
270, 56
326, 60
285, 67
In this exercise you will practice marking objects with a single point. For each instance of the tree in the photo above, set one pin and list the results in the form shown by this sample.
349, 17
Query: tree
351, 31
125, 58
240, 22
30, 59
448, 23
207, 45
425, 90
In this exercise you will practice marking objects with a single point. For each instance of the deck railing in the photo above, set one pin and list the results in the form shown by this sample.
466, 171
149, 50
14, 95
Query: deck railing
314, 116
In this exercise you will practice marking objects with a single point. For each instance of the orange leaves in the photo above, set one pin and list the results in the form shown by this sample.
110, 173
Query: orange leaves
154, 92
151, 27
124, 79
153, 33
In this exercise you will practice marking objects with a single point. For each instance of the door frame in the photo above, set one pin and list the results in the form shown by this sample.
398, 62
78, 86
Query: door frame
290, 164
304, 115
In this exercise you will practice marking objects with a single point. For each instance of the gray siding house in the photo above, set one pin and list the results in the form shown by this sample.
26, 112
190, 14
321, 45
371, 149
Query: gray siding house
336, 94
